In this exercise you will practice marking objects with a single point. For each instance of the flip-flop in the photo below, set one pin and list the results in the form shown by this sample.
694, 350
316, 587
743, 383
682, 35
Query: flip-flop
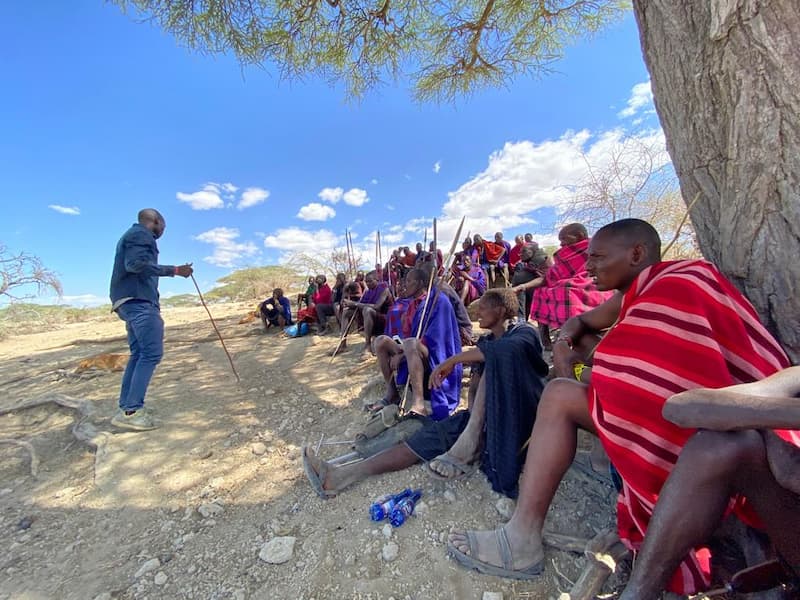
377, 406
316, 479
507, 570
463, 470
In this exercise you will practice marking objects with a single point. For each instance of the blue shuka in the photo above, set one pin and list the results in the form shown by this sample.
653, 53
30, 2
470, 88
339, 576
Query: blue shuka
441, 337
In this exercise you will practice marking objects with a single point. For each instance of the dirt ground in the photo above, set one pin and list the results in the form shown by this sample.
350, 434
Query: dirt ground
183, 511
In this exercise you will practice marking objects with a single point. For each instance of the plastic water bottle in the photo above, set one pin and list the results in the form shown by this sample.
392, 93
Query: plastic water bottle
403, 509
382, 507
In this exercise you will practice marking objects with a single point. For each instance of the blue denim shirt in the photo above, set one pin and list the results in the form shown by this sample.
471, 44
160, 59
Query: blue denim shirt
136, 269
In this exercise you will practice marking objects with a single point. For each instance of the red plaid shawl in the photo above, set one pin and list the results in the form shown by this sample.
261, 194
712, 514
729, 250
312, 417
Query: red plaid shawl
682, 326
568, 289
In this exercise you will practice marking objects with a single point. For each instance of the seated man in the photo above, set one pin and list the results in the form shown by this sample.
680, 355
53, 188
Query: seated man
321, 304
307, 295
468, 280
495, 258
737, 454
677, 326
276, 310
568, 290
529, 273
516, 251
413, 358
505, 407
372, 308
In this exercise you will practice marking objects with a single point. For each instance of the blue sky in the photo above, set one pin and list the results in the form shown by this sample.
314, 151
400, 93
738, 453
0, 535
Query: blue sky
102, 116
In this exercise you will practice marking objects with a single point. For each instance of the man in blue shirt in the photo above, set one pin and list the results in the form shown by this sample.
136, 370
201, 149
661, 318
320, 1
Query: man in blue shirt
134, 297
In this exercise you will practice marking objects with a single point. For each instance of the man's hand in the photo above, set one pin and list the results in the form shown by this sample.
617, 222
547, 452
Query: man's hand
184, 270
439, 374
564, 358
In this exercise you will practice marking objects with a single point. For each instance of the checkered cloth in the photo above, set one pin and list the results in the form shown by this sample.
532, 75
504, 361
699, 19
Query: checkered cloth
569, 291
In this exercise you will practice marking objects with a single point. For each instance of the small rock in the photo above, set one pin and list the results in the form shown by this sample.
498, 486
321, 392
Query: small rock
269, 392
5, 491
505, 506
201, 452
150, 565
492, 596
24, 523
421, 508
103, 596
252, 391
259, 448
449, 496
390, 551
278, 550
161, 579
210, 509
267, 436
387, 531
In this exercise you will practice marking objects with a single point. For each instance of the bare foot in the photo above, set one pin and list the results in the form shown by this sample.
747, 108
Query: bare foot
526, 547
784, 461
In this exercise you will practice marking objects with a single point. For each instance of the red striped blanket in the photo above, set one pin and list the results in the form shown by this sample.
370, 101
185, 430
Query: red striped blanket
682, 326
568, 289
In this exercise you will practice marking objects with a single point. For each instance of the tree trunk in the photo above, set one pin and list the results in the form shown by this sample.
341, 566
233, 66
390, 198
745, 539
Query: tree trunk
726, 81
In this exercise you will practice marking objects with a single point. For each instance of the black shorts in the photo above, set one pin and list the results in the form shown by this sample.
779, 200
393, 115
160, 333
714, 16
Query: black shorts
437, 437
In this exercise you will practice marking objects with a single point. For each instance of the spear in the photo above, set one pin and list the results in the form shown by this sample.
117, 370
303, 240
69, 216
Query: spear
349, 256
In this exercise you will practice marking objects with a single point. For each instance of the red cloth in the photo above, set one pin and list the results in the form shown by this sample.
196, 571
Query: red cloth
409, 259
513, 256
682, 326
568, 289
492, 251
323, 295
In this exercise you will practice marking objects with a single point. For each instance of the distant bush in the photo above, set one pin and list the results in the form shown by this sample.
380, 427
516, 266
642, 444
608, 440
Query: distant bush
255, 283
23, 317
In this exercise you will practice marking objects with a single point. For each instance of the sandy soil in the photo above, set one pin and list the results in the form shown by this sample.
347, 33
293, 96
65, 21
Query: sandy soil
183, 511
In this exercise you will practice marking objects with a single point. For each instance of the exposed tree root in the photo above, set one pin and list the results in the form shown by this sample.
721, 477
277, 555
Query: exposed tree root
82, 429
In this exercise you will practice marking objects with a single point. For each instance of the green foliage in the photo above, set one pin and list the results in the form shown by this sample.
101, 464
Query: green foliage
445, 48
255, 283
21, 318
180, 300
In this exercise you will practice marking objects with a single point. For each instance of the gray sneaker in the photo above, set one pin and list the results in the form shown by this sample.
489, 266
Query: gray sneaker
138, 421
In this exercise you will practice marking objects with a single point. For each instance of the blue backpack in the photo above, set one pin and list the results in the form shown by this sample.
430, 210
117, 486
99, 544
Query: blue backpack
296, 330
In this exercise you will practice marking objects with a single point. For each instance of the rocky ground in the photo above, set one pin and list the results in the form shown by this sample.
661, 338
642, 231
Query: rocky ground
193, 509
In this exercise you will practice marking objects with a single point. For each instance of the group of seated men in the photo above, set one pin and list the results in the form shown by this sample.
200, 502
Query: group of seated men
692, 399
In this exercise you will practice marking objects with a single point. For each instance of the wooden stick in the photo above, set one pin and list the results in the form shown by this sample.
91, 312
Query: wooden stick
219, 335
343, 335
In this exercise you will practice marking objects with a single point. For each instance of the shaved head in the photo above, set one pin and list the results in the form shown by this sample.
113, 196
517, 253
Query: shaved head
634, 231
151, 219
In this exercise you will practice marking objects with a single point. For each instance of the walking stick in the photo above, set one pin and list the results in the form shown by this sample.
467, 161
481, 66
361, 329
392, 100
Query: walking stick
344, 335
219, 335
422, 318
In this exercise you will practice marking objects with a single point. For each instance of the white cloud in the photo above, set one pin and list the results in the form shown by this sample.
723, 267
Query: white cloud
355, 197
295, 239
389, 206
227, 251
437, 166
252, 196
229, 188
392, 238
65, 210
209, 197
332, 195
641, 98
374, 182
316, 212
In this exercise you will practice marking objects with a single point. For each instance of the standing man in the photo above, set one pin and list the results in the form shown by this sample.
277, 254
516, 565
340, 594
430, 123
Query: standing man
134, 297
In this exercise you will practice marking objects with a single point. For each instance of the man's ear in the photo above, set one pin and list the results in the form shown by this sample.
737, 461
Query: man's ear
638, 254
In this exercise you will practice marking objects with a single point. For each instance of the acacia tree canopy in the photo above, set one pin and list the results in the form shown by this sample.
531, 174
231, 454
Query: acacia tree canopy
445, 48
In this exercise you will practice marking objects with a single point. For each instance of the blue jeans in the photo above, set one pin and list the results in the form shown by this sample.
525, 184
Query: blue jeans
146, 340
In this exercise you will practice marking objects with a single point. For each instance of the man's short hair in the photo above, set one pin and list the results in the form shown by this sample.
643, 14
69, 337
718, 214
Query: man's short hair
503, 297
633, 231
418, 275
576, 229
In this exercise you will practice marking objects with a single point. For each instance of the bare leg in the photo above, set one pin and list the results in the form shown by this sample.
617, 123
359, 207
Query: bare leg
784, 461
385, 349
544, 333
369, 315
467, 447
264, 321
712, 467
415, 354
505, 276
337, 478
563, 409
464, 292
